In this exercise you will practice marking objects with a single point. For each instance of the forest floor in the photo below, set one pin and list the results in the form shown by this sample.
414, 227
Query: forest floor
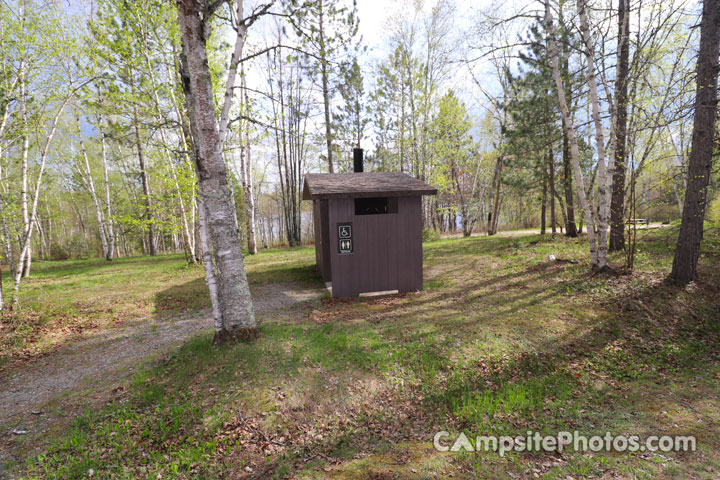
501, 341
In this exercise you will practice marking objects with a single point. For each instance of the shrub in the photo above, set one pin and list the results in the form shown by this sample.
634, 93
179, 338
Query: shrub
58, 252
430, 235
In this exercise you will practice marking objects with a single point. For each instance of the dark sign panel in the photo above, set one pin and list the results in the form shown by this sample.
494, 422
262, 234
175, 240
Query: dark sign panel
345, 243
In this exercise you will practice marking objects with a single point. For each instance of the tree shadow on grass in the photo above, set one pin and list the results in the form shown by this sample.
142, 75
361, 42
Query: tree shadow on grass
186, 297
271, 290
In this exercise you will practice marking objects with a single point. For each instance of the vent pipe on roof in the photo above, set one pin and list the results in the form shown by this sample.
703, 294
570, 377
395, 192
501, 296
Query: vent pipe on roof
357, 160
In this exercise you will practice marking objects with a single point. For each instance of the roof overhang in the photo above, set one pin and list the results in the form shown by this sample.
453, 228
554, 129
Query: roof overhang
363, 185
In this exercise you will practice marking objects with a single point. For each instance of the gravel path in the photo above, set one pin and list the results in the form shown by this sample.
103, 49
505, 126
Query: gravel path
46, 391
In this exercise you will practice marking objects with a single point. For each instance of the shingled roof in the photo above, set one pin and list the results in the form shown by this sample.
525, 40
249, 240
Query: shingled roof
365, 184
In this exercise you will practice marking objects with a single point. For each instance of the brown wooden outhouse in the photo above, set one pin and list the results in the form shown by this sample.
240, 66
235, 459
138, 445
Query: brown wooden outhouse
368, 230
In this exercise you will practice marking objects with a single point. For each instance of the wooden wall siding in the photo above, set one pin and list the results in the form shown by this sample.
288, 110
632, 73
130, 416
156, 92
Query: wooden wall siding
325, 226
387, 249
321, 228
319, 244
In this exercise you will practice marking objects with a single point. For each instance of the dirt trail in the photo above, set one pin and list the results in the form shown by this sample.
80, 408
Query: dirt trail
56, 387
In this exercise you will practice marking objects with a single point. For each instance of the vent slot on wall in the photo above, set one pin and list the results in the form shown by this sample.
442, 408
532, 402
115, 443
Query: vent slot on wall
376, 205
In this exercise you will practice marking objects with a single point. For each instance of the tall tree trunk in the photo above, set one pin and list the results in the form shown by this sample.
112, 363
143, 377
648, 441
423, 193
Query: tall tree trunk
572, 136
570, 226
402, 126
196, 227
543, 206
617, 202
561, 204
325, 86
210, 277
86, 175
238, 318
2, 303
551, 171
28, 262
571, 229
109, 253
22, 268
249, 205
143, 170
687, 250
246, 176
603, 189
495, 208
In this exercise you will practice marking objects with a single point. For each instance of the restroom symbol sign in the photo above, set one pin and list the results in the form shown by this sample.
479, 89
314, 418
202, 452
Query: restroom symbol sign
345, 244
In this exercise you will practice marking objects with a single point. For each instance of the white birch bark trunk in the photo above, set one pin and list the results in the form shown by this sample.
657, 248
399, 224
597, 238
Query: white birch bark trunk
247, 180
572, 135
232, 72
109, 253
25, 251
210, 277
604, 190
325, 87
24, 173
86, 175
235, 302
250, 205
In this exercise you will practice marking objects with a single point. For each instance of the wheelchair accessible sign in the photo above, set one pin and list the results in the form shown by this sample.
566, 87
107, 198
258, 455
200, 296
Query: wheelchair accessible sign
345, 242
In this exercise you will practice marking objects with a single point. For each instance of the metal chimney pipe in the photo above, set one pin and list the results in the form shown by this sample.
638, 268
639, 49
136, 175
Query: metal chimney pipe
357, 160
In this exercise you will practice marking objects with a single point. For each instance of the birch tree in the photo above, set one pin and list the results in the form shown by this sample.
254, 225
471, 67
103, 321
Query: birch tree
246, 172
569, 124
31, 212
118, 46
42, 63
290, 113
109, 253
83, 169
234, 304
604, 190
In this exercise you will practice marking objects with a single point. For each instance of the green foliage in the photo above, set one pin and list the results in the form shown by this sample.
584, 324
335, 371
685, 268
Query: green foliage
713, 213
58, 252
451, 141
350, 120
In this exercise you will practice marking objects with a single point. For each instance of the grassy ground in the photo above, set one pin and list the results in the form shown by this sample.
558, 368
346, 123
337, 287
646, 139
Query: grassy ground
501, 341
63, 300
